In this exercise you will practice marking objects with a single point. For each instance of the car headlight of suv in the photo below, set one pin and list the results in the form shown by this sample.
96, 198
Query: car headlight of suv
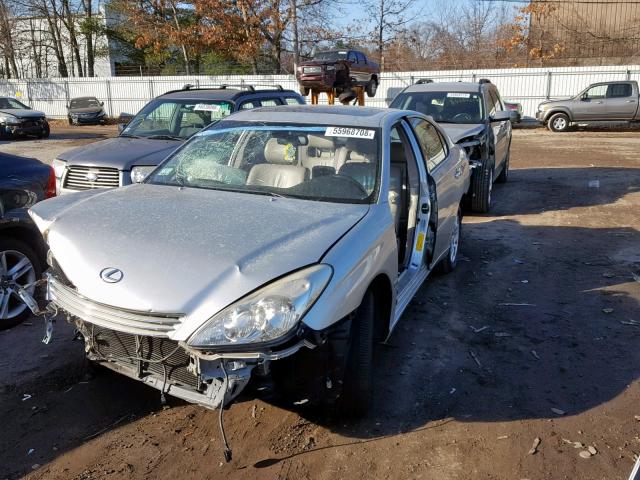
59, 167
7, 118
330, 68
138, 174
267, 314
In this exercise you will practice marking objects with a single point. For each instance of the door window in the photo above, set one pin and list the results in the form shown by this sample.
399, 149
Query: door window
269, 102
619, 90
361, 58
352, 57
249, 105
597, 92
292, 101
431, 145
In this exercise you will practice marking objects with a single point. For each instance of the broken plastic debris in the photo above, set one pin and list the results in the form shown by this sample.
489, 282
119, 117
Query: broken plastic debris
452, 391
524, 281
301, 402
607, 310
518, 261
557, 411
592, 450
502, 334
25, 396
534, 447
475, 358
30, 451
478, 330
517, 304
535, 354
585, 454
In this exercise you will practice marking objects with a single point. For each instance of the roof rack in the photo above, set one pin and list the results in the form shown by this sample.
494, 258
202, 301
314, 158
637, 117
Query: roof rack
224, 86
422, 81
484, 80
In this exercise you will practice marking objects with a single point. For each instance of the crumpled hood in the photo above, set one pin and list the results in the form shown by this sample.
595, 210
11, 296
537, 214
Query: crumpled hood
23, 113
188, 251
458, 131
121, 153
93, 110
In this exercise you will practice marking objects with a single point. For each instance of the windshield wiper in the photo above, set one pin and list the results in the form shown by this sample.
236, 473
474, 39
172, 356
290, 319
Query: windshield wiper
164, 137
128, 135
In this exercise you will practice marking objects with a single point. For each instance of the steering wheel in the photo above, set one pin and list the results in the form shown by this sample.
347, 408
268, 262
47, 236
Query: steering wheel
463, 117
353, 182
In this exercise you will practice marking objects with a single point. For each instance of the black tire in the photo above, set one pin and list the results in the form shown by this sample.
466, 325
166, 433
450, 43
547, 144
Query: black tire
304, 91
45, 131
70, 121
504, 174
481, 186
355, 399
372, 87
10, 244
449, 263
559, 122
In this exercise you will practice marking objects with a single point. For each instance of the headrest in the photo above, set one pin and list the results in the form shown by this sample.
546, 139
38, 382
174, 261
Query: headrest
279, 154
360, 150
323, 143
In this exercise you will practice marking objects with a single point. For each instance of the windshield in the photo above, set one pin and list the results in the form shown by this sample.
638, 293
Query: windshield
84, 103
12, 104
318, 162
176, 119
337, 55
444, 107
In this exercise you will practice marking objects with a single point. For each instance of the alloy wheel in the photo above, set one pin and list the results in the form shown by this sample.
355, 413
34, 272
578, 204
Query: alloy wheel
16, 270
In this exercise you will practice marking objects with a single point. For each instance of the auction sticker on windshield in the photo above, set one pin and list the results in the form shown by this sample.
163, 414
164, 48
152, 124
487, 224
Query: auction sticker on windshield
458, 95
349, 132
205, 107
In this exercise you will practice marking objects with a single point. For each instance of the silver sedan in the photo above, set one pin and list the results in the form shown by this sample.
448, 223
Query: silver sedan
284, 241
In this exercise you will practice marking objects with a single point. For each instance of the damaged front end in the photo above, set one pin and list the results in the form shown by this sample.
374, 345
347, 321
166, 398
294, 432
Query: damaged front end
136, 344
475, 148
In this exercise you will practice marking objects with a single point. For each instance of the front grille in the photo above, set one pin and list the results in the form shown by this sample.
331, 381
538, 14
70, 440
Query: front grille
85, 178
125, 349
135, 322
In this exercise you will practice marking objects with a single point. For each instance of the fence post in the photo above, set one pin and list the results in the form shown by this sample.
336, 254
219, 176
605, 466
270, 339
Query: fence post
66, 93
628, 74
473, 77
29, 94
151, 95
109, 99
548, 95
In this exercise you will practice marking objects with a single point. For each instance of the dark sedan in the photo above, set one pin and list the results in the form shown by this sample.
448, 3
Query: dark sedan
86, 111
23, 182
18, 120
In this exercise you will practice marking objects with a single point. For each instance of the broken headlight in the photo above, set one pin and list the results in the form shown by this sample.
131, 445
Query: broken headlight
267, 314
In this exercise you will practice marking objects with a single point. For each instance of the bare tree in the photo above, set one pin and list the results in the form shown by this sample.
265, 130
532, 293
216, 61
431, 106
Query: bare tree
7, 44
389, 17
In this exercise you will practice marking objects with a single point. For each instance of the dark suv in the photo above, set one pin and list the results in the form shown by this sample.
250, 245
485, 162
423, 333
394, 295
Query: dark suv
157, 130
474, 116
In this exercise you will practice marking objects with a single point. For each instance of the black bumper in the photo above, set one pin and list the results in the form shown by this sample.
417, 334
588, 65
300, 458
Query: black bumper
23, 128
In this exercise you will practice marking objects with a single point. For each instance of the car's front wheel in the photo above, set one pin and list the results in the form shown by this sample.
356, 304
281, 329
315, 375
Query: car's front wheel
19, 266
46, 131
559, 122
482, 186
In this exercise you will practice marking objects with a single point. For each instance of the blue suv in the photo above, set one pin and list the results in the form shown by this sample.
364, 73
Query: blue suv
158, 129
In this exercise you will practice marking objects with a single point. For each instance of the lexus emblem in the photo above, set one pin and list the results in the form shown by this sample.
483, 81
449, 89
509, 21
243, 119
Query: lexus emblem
111, 275
91, 176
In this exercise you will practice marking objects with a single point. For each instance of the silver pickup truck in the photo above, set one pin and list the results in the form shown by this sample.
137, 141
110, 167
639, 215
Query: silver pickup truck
599, 102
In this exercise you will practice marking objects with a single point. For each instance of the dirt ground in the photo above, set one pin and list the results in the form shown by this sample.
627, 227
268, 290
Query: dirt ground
535, 335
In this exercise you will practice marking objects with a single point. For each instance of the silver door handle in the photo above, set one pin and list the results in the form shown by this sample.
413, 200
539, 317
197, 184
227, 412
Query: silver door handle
458, 172
631, 101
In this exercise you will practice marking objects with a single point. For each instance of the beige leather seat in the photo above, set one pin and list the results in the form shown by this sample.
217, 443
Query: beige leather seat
320, 152
397, 190
280, 170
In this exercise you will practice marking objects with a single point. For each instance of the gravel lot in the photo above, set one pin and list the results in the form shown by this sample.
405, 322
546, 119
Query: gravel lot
533, 337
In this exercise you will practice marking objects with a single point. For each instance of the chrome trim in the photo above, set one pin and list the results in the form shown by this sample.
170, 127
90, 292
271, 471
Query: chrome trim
203, 355
138, 323
75, 177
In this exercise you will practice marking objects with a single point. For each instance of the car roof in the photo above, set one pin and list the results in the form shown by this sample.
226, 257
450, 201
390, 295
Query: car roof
319, 115
83, 98
465, 87
220, 93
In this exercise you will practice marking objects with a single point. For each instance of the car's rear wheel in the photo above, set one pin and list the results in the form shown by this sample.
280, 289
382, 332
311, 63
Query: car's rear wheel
372, 87
19, 266
482, 186
449, 263
559, 122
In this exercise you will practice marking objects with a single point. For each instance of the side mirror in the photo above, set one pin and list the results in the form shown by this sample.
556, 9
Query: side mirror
123, 121
102, 104
584, 97
502, 116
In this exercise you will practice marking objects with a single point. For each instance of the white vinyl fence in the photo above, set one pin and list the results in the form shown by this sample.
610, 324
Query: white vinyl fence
528, 86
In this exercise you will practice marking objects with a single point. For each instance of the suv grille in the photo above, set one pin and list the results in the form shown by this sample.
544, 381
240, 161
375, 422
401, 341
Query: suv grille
86, 178
122, 348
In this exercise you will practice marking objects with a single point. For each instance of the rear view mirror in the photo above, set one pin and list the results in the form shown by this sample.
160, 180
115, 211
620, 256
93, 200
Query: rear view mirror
502, 116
